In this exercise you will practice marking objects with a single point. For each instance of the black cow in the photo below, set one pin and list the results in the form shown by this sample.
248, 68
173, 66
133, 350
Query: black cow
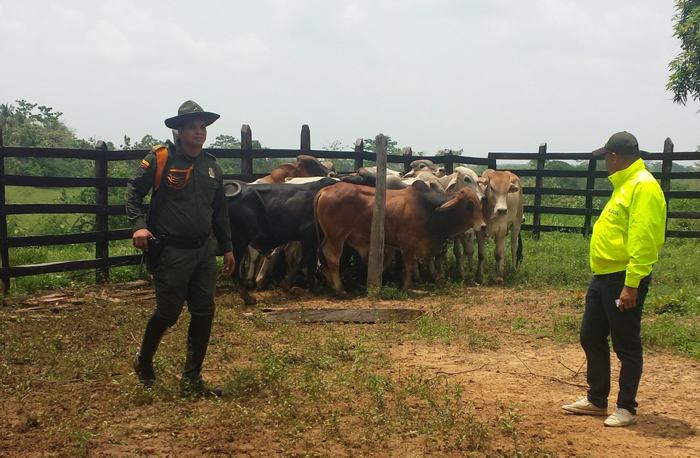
266, 216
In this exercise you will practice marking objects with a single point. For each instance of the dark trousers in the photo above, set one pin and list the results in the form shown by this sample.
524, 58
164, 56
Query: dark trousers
602, 318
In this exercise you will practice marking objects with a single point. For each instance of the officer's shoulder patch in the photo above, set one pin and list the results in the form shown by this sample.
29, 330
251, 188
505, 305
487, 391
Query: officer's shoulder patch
145, 164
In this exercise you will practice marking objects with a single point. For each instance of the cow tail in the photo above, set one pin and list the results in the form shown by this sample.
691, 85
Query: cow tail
519, 252
319, 231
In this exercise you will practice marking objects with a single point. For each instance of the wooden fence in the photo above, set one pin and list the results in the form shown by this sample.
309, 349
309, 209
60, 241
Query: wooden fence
101, 182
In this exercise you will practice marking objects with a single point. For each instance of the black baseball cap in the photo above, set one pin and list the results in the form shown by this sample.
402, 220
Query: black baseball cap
621, 143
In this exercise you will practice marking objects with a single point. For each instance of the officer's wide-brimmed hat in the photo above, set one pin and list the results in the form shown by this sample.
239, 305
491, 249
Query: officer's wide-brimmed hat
621, 143
187, 112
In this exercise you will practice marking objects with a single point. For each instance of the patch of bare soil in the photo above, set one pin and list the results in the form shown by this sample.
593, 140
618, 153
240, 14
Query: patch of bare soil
523, 377
538, 375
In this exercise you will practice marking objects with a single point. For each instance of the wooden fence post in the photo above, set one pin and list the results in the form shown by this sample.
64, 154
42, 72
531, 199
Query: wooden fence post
536, 216
4, 249
407, 154
449, 163
246, 152
590, 186
359, 151
102, 217
493, 165
305, 138
375, 264
666, 166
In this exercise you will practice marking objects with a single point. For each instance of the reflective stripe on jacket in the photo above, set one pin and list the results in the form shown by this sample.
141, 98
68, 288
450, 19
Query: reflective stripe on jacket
630, 230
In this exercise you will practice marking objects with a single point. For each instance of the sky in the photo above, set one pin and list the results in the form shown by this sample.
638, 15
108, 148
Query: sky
477, 75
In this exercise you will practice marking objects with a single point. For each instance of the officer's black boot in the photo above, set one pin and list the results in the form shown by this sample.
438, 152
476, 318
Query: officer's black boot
143, 362
198, 334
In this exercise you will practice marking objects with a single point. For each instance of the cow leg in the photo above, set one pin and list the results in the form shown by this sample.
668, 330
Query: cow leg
515, 243
267, 266
481, 242
241, 252
433, 267
459, 255
306, 254
255, 259
409, 261
332, 252
498, 254
468, 241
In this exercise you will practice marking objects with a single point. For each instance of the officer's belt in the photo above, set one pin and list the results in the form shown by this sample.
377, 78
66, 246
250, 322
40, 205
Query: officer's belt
183, 242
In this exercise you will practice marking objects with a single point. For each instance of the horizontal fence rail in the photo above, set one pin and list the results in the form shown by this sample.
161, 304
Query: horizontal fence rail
246, 156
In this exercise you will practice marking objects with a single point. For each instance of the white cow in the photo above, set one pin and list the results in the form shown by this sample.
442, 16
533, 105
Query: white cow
463, 244
503, 210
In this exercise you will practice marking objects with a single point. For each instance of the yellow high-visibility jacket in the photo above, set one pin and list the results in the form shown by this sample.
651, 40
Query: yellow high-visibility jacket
631, 228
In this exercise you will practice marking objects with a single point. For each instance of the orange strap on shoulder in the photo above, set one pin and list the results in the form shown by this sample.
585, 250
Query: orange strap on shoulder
161, 162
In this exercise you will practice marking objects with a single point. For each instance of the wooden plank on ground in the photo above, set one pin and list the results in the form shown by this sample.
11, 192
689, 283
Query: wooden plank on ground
365, 316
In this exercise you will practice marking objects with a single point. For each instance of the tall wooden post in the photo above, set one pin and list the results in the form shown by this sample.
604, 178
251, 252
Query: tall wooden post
247, 152
375, 264
407, 154
305, 138
359, 151
449, 163
590, 186
4, 248
666, 167
536, 216
493, 165
102, 217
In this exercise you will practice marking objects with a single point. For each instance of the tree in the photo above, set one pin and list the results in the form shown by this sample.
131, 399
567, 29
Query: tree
146, 142
31, 124
684, 80
225, 142
449, 151
391, 145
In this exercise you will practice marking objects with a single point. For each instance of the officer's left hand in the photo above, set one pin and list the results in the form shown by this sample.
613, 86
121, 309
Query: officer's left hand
229, 263
628, 298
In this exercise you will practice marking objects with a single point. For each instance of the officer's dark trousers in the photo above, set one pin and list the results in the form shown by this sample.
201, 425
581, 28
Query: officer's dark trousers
602, 318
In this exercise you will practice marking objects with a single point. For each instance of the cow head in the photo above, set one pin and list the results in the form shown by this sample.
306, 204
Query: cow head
468, 212
309, 166
421, 165
464, 177
496, 186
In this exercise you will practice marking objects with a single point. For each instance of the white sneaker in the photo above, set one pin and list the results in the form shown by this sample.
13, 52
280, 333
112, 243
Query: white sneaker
584, 407
621, 417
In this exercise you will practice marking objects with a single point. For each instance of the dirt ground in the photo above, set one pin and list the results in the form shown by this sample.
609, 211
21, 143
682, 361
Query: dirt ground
532, 373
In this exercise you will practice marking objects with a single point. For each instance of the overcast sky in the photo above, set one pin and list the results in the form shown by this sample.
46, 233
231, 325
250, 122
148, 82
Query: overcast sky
483, 75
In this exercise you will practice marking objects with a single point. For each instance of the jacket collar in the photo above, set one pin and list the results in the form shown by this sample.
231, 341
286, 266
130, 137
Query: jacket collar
619, 177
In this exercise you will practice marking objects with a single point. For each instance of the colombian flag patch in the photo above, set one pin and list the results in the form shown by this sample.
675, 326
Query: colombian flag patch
145, 164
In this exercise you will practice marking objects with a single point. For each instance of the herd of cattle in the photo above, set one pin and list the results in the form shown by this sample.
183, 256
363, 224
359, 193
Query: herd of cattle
315, 220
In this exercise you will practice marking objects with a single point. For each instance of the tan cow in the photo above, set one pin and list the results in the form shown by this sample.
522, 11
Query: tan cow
305, 166
503, 211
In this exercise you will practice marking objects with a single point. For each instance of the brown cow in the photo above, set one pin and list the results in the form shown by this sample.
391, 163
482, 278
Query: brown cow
418, 221
305, 166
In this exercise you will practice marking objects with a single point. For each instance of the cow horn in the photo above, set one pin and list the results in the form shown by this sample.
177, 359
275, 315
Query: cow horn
232, 188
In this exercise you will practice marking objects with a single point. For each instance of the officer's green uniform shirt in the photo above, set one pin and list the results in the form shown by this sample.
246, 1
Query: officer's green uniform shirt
191, 212
630, 230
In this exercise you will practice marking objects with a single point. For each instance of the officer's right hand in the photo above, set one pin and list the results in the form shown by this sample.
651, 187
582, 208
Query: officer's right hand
140, 239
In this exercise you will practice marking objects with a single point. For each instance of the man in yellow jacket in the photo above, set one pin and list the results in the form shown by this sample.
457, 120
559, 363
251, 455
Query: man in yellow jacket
624, 247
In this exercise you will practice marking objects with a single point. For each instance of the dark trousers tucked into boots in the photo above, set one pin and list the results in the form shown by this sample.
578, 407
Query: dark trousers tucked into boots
602, 318
197, 343
143, 363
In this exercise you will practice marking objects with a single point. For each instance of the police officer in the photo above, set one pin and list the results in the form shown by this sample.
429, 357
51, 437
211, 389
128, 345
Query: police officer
625, 246
187, 224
